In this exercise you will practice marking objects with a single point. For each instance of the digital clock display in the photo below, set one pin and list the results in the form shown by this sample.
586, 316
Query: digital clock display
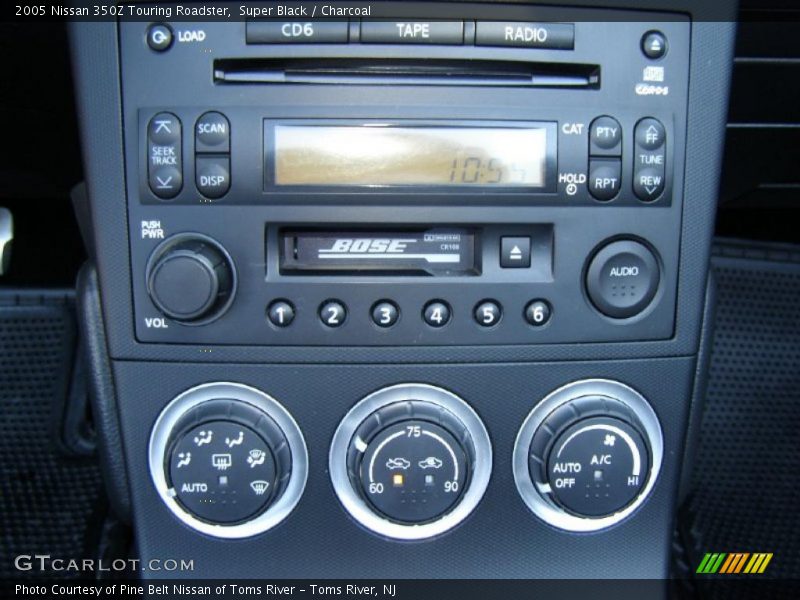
390, 155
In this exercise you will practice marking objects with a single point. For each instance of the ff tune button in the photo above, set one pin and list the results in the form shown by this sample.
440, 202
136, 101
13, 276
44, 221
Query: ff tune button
228, 460
410, 462
588, 455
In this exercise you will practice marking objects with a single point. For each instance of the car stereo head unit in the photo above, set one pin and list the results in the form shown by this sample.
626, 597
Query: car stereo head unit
487, 187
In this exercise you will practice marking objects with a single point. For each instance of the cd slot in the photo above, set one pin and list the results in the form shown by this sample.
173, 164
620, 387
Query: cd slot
346, 71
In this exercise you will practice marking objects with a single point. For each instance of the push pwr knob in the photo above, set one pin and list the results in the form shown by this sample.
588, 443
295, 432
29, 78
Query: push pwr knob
191, 278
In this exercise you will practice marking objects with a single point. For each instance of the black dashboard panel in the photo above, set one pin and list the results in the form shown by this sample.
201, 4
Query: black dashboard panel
248, 220
221, 291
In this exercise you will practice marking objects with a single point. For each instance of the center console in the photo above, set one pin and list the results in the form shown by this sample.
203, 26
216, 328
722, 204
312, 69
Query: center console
402, 297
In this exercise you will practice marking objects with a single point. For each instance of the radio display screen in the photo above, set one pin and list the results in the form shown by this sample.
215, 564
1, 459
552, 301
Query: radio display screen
394, 155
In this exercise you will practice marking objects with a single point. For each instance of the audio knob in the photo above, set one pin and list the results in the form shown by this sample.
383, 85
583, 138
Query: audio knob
191, 279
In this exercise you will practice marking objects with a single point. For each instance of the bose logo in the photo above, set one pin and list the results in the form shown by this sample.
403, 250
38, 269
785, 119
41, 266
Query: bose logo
368, 245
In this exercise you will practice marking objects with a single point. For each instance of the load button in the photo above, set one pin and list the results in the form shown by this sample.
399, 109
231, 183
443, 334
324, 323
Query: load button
622, 279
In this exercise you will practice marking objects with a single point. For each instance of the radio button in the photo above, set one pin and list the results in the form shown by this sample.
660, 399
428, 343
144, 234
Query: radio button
412, 32
333, 313
212, 133
605, 137
385, 314
436, 313
515, 252
650, 134
280, 313
297, 32
488, 313
605, 178
554, 36
212, 175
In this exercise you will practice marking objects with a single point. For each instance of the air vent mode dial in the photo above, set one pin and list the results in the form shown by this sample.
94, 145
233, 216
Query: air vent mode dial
228, 460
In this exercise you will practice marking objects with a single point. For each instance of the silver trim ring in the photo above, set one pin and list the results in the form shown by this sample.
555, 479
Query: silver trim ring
359, 509
546, 510
275, 513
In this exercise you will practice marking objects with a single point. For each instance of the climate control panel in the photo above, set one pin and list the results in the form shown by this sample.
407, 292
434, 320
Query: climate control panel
407, 462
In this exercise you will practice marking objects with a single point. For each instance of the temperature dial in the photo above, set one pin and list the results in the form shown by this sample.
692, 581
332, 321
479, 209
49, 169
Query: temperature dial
413, 471
410, 461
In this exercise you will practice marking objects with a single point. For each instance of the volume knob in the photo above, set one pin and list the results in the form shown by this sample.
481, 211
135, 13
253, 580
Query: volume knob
191, 278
